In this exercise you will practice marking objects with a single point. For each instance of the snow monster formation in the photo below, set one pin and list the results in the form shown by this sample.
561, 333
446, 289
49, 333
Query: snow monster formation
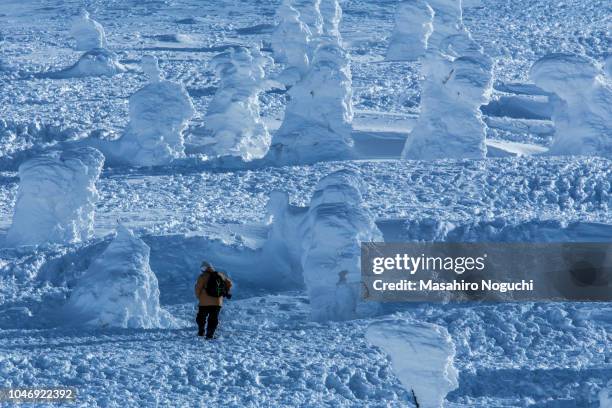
56, 198
429, 371
331, 13
119, 289
159, 113
290, 43
413, 26
88, 33
318, 118
233, 114
96, 60
310, 14
581, 103
457, 81
332, 231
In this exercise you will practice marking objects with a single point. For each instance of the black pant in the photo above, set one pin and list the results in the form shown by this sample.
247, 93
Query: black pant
212, 312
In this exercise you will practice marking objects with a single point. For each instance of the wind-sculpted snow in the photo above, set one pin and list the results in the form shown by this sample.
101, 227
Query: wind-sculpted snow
333, 228
88, 33
421, 356
581, 103
233, 114
413, 26
56, 199
317, 122
119, 289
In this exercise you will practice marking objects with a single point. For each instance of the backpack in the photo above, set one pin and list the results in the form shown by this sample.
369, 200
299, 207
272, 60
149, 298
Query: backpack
216, 286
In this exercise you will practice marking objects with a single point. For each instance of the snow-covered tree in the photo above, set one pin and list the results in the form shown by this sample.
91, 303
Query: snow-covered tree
413, 26
317, 124
119, 289
233, 114
290, 43
457, 80
333, 229
581, 104
159, 113
310, 14
56, 198
88, 33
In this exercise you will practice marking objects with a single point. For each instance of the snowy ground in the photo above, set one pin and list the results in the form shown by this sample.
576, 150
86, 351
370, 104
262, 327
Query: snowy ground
269, 353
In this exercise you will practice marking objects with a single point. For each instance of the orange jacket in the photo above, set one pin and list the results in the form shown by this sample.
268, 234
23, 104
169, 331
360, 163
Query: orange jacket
200, 290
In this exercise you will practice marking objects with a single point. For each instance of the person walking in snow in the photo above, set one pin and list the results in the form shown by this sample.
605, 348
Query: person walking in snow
210, 289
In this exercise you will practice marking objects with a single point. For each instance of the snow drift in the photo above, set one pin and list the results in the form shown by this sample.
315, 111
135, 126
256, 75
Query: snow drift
56, 198
159, 113
88, 33
333, 229
581, 104
233, 114
413, 26
317, 124
421, 357
119, 289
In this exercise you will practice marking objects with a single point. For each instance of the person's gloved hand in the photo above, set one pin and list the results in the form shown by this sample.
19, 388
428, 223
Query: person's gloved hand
229, 295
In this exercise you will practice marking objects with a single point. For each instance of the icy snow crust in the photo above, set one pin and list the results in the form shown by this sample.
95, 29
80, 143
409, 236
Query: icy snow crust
273, 354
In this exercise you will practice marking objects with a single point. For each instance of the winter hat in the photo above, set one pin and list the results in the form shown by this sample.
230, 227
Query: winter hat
206, 265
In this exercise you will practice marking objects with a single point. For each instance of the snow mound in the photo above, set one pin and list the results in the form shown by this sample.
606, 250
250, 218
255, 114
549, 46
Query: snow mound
413, 26
318, 118
233, 114
119, 289
88, 33
333, 229
95, 62
290, 43
159, 113
581, 104
421, 357
56, 199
